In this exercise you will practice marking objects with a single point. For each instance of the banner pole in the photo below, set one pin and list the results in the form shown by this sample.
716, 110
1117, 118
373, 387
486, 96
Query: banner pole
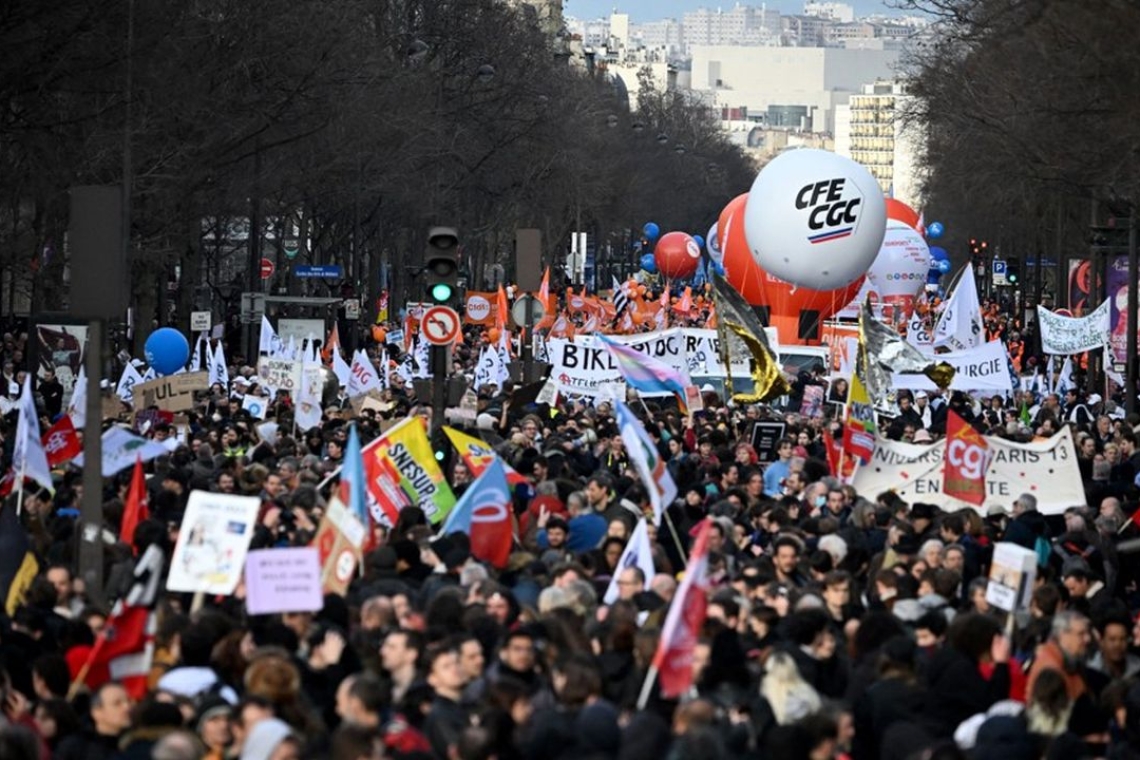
647, 687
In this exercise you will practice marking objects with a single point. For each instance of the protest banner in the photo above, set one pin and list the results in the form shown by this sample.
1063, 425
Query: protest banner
283, 580
1064, 336
406, 451
212, 543
257, 406
1046, 469
1013, 570
172, 393
279, 374
985, 368
339, 539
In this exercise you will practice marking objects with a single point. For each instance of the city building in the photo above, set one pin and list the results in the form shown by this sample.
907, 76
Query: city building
841, 12
872, 130
795, 85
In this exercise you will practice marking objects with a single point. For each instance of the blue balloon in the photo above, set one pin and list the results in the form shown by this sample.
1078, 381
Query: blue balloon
649, 263
651, 231
718, 268
933, 276
167, 350
939, 254
944, 266
934, 230
700, 241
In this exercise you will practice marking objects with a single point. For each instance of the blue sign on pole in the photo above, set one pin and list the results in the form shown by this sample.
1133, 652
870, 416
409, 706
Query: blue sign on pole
319, 271
999, 267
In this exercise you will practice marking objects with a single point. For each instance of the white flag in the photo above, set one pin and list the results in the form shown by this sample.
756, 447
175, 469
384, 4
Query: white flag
77, 408
307, 412
196, 357
638, 552
290, 351
268, 342
423, 359
382, 370
1065, 378
362, 375
483, 368
149, 375
216, 366
404, 370
960, 326
340, 368
127, 381
28, 457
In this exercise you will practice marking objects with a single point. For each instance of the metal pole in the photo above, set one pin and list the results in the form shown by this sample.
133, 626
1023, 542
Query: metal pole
439, 362
528, 340
1130, 368
91, 530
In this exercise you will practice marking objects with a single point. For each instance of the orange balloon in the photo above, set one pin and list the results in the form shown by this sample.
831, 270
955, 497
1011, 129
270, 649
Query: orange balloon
493, 335
901, 212
379, 334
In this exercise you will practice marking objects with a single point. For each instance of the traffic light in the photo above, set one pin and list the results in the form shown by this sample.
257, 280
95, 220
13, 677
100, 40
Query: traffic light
1013, 272
441, 265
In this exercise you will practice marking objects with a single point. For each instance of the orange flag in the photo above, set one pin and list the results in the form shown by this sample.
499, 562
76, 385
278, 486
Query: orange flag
544, 290
332, 344
501, 312
136, 509
686, 304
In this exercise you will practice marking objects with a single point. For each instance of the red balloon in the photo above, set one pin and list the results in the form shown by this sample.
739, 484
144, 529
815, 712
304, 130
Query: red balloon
677, 255
785, 302
901, 212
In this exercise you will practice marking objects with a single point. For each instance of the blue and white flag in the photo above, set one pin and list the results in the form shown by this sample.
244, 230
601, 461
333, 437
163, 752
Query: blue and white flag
638, 552
647, 460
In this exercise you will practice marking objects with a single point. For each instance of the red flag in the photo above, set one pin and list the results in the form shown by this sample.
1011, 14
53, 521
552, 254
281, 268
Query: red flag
136, 509
834, 450
966, 459
125, 646
61, 442
674, 658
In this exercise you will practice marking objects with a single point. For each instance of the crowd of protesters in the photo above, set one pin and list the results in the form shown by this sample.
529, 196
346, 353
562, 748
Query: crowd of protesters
840, 624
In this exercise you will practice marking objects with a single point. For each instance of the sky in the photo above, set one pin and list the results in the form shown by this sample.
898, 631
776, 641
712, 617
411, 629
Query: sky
649, 10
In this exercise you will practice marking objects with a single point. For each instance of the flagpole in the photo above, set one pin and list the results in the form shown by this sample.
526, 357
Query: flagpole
23, 474
647, 687
673, 530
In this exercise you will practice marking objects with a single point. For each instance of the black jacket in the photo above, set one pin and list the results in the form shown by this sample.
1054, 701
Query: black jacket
956, 690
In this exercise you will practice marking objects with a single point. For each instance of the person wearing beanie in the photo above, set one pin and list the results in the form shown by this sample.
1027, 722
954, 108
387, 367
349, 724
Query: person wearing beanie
271, 739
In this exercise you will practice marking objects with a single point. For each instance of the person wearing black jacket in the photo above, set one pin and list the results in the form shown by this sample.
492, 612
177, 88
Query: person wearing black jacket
956, 686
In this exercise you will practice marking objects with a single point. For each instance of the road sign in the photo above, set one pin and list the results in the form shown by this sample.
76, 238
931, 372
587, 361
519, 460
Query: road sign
291, 247
352, 308
440, 325
999, 272
518, 311
319, 271
199, 321
267, 269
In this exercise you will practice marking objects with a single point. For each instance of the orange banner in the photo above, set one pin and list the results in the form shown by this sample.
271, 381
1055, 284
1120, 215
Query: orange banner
480, 308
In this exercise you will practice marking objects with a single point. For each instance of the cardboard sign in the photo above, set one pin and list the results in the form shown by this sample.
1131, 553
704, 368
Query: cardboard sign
1012, 573
338, 542
199, 321
257, 406
212, 543
765, 436
279, 374
283, 580
173, 393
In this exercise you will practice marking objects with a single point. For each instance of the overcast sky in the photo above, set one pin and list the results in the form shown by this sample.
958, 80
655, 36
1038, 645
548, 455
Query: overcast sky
648, 10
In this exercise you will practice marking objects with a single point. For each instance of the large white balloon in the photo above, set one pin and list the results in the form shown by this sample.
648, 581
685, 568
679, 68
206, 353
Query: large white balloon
815, 219
712, 245
897, 275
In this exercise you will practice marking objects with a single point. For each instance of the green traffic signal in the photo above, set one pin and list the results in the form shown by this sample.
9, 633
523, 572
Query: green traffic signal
441, 292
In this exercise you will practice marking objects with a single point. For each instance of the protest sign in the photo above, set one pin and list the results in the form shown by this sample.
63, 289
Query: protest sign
985, 368
172, 393
1046, 469
212, 543
1012, 573
1064, 336
339, 539
257, 406
765, 436
279, 374
283, 580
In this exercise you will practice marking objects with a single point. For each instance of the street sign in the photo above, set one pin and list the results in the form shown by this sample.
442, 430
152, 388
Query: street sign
319, 271
291, 247
999, 272
267, 269
440, 325
518, 311
352, 308
199, 321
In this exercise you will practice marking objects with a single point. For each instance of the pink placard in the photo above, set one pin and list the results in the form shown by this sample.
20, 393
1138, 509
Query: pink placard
283, 580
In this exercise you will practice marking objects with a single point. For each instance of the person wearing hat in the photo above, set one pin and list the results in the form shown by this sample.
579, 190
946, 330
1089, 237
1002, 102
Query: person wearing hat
212, 723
